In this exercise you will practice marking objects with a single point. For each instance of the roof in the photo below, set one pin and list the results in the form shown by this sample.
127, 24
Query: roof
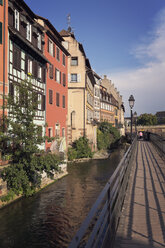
66, 33
50, 25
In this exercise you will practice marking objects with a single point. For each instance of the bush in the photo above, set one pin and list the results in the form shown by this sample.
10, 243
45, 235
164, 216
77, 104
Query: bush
72, 154
80, 149
106, 135
24, 178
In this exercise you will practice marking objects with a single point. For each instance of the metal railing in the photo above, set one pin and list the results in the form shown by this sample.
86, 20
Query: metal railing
101, 223
158, 141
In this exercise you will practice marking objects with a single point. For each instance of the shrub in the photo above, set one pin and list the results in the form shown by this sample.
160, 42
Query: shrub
72, 154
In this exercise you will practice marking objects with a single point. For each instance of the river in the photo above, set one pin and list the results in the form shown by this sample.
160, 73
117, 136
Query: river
50, 218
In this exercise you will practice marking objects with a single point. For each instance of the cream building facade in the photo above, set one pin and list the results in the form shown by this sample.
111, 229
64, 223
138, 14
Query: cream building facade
119, 107
80, 92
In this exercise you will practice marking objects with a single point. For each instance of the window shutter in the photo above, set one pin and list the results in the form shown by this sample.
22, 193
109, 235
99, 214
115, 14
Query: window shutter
50, 97
0, 32
57, 99
55, 74
60, 77
26, 64
11, 90
43, 103
35, 68
48, 45
79, 78
43, 75
53, 50
69, 77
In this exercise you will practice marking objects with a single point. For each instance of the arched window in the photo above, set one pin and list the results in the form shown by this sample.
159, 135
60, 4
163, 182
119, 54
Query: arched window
73, 119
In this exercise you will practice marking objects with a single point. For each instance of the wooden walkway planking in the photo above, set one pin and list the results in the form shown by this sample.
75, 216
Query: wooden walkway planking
142, 222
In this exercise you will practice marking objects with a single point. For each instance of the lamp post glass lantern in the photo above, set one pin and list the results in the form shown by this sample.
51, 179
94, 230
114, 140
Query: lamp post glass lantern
131, 104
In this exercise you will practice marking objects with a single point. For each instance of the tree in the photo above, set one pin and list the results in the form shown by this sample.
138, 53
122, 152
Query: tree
21, 139
147, 120
106, 135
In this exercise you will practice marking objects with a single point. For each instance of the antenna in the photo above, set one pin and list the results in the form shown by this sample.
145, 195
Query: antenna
69, 22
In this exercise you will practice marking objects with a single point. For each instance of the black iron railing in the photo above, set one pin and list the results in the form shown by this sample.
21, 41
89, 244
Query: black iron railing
101, 223
158, 141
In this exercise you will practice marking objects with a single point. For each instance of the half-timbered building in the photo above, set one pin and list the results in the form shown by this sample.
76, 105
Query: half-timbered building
26, 58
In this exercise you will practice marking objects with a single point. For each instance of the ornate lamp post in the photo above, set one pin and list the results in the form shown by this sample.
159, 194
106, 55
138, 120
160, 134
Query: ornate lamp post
131, 104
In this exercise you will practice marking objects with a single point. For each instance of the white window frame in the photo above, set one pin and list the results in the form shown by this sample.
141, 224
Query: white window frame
57, 76
63, 59
72, 78
39, 72
51, 132
16, 19
30, 65
50, 47
29, 31
74, 61
39, 41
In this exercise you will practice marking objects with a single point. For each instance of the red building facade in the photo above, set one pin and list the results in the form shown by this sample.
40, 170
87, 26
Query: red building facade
3, 55
56, 83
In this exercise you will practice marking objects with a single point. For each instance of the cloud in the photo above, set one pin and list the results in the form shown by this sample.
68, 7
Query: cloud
146, 83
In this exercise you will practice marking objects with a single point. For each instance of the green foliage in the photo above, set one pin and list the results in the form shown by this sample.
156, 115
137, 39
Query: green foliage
72, 154
147, 120
25, 178
20, 142
106, 135
6, 198
80, 149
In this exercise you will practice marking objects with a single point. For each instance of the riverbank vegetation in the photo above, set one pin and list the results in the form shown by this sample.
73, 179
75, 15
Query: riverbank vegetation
107, 136
20, 138
80, 149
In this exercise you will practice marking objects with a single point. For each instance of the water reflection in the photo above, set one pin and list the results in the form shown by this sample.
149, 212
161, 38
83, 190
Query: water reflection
51, 217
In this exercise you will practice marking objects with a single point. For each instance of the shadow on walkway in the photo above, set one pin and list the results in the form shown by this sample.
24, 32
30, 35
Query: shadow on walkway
142, 222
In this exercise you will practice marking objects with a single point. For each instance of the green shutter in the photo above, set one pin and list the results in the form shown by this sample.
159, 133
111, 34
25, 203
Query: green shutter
0, 32
1, 2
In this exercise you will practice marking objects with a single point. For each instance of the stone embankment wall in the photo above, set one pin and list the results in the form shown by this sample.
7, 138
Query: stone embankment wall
45, 181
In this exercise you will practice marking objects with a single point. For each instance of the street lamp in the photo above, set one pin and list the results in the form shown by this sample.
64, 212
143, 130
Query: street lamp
135, 116
131, 104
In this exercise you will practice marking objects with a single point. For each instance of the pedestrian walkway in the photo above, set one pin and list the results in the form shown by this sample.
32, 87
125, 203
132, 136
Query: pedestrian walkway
142, 222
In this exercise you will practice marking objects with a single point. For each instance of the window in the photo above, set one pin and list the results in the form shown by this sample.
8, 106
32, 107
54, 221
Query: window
39, 41
39, 72
63, 132
57, 53
51, 71
16, 19
73, 77
57, 129
57, 75
64, 79
74, 61
28, 31
50, 132
0, 32
51, 48
57, 99
39, 131
63, 59
16, 58
63, 101
29, 68
1, 2
50, 97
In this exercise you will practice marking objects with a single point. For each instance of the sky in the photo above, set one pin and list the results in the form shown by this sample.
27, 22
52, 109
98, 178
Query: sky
123, 39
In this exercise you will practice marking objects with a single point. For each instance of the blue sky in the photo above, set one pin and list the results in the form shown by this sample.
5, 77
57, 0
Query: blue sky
123, 39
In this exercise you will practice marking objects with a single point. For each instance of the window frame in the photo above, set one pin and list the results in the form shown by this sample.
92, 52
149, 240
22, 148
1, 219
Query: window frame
50, 96
63, 101
57, 53
72, 80
16, 19
29, 31
57, 99
39, 41
74, 59
63, 59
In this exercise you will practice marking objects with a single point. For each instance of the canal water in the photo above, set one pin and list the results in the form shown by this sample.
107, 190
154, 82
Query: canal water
52, 216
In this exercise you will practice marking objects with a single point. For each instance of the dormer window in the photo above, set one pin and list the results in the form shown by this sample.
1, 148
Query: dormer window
28, 31
16, 19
